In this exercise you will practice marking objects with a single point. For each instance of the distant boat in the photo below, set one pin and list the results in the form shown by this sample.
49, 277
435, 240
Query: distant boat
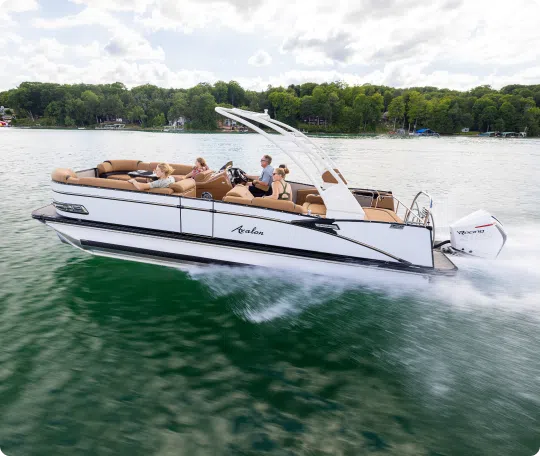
426, 132
81, 128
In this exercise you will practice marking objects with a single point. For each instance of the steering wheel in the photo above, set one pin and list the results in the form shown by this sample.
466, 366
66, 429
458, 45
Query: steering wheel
242, 175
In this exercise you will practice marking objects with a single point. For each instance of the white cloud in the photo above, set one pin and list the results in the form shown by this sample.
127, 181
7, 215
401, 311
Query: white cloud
49, 48
260, 58
446, 43
18, 6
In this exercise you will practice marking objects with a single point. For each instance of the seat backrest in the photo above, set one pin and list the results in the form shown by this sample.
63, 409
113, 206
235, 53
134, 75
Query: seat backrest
180, 169
186, 187
204, 176
280, 205
239, 195
302, 193
317, 199
115, 166
62, 174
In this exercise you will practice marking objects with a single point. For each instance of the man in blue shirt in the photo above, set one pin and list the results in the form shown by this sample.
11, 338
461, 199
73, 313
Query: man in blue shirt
263, 185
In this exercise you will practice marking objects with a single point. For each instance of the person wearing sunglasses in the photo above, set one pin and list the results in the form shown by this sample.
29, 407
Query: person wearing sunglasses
263, 185
281, 189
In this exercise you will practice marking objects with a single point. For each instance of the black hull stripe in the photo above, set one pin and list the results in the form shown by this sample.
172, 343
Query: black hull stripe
155, 253
306, 254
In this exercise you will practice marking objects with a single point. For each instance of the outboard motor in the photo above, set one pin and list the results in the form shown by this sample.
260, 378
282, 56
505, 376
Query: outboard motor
478, 234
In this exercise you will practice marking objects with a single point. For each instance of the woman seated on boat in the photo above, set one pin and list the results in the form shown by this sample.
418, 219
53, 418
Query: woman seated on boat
281, 189
163, 171
200, 166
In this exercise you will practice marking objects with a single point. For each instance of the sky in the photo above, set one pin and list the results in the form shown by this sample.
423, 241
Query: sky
170, 43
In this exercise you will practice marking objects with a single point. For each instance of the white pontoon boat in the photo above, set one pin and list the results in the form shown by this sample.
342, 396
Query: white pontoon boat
328, 227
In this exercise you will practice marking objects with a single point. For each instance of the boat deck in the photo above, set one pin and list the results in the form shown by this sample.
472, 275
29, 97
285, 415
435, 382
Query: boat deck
442, 263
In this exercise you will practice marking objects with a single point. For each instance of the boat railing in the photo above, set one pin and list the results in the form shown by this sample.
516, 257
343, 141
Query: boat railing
415, 214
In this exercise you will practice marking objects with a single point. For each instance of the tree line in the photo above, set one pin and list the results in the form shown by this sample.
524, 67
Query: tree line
329, 107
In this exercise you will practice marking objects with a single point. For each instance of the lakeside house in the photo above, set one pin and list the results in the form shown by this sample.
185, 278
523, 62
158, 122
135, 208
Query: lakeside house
315, 120
230, 125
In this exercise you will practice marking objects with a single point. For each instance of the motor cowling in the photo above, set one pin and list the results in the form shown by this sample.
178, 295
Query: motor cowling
478, 234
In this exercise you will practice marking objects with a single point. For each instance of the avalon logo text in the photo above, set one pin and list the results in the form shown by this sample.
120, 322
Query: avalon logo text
242, 230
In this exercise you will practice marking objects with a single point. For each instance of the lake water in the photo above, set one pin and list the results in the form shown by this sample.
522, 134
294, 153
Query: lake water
107, 357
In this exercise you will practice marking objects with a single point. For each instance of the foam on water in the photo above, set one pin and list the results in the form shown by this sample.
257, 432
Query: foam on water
510, 283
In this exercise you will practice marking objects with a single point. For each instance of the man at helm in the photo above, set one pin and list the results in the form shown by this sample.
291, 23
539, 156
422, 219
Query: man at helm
263, 185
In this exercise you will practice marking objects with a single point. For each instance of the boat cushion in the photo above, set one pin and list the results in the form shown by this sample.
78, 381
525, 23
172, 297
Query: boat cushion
314, 199
315, 209
280, 205
114, 166
203, 176
239, 195
302, 193
122, 177
62, 174
237, 200
240, 191
103, 183
186, 187
377, 214
163, 191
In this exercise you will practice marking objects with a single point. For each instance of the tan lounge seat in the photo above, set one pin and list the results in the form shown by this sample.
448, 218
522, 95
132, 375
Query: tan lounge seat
314, 209
377, 214
187, 187
118, 169
302, 193
239, 195
371, 213
280, 205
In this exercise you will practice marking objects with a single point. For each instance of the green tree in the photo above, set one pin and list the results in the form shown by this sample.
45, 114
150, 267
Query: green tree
396, 110
508, 115
416, 108
203, 112
286, 106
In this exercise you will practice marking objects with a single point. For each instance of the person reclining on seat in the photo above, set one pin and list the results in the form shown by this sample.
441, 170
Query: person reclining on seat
200, 166
262, 185
163, 171
281, 189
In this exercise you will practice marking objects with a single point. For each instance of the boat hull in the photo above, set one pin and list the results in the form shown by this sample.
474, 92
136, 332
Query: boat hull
184, 251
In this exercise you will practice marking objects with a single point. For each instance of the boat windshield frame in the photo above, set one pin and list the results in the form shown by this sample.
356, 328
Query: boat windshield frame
339, 201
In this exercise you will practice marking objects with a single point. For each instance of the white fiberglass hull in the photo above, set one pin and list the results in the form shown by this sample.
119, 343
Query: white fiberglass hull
181, 254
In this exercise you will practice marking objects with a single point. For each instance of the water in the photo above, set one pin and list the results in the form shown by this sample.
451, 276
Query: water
100, 356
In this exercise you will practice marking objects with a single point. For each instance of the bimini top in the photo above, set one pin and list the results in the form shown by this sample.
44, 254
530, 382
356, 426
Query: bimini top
338, 199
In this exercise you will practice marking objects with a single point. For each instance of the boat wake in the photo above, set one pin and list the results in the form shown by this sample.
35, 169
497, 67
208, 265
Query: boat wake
510, 283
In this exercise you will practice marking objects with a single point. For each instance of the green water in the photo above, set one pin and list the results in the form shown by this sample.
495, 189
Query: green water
101, 356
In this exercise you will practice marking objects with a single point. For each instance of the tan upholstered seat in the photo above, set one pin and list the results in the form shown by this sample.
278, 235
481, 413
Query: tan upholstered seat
315, 199
117, 169
186, 187
314, 209
62, 175
280, 205
377, 214
302, 193
239, 195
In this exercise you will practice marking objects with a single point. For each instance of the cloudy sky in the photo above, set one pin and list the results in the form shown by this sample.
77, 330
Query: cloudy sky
178, 43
